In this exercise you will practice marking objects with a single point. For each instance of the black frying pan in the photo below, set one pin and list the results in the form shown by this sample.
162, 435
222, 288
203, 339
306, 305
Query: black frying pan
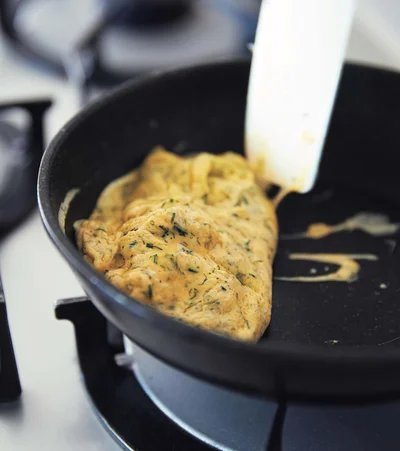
326, 342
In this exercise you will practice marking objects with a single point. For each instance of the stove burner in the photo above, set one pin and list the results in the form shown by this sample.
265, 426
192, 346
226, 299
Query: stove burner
215, 415
123, 401
120, 402
114, 40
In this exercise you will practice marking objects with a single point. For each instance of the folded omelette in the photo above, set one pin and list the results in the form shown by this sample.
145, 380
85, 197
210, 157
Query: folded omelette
191, 237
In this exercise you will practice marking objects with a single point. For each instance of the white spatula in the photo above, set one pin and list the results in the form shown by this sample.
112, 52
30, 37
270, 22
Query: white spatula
297, 60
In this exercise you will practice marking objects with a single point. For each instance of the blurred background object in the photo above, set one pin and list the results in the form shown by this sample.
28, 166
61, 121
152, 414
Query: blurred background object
97, 44
21, 147
376, 34
100, 43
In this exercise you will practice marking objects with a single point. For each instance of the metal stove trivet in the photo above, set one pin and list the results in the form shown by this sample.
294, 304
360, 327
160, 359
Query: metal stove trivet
21, 148
119, 400
122, 400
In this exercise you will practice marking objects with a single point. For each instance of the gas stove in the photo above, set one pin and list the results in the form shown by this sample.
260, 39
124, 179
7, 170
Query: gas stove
85, 387
104, 42
144, 404
137, 394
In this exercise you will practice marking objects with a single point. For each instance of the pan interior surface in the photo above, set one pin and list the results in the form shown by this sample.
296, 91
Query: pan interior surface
363, 312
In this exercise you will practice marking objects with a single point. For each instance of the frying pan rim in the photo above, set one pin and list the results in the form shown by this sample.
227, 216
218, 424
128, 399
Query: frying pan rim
296, 354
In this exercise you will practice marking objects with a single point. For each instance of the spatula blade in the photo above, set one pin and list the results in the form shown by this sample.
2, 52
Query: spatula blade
297, 61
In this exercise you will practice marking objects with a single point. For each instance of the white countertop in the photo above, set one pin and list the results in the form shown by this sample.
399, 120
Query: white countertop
54, 413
